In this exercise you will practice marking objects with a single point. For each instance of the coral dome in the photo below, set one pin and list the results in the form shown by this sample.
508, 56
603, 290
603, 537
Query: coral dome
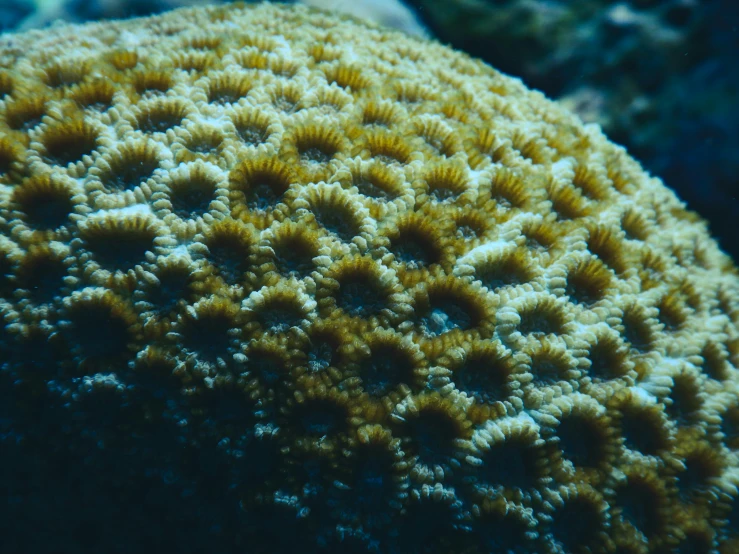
273, 280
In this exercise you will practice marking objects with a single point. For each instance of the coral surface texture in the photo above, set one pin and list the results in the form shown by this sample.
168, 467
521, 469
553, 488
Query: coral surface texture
660, 76
276, 281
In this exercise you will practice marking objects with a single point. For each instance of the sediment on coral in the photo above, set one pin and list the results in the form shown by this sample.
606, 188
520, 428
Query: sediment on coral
305, 284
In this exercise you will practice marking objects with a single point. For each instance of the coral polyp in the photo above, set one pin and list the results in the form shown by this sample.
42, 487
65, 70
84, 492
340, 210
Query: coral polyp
273, 280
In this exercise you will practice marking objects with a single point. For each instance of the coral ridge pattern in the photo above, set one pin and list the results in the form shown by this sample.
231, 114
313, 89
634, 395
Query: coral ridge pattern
273, 280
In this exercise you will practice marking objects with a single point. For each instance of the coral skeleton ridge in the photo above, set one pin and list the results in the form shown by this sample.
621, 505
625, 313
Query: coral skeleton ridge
309, 285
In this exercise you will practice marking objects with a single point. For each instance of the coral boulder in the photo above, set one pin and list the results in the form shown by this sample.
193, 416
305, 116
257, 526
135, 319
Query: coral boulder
273, 280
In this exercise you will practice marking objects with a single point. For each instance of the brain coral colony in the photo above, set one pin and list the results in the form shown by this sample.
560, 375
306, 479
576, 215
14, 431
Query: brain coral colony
656, 74
275, 281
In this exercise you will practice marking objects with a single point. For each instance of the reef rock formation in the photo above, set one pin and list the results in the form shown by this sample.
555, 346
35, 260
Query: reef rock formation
273, 280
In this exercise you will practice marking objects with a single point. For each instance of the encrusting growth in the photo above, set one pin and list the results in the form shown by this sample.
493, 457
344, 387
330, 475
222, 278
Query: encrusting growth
272, 280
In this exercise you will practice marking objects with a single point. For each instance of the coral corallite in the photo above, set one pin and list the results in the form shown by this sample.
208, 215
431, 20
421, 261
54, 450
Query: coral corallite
272, 280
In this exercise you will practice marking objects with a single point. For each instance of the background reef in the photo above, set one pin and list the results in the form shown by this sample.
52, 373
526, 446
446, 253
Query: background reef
274, 280
30, 14
659, 76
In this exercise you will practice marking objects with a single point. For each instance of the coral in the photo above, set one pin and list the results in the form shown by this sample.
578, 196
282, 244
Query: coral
273, 280
659, 77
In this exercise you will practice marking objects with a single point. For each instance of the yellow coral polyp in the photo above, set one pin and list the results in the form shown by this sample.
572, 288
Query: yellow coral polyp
311, 285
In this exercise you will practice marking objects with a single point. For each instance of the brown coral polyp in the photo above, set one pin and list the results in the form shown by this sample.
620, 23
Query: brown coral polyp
542, 318
9, 155
317, 144
129, 166
268, 366
378, 183
173, 286
715, 362
118, 243
579, 518
230, 245
322, 349
389, 364
191, 196
64, 74
673, 314
252, 126
6, 85
335, 212
635, 224
432, 426
25, 113
347, 77
381, 114
514, 461
567, 202
101, 327
608, 358
415, 242
227, 404
505, 526
549, 364
293, 249
440, 141
388, 148
359, 289
67, 142
507, 189
446, 182
261, 181
377, 453
204, 42
95, 95
228, 89
448, 305
207, 328
603, 243
194, 61
484, 148
730, 427
8, 263
509, 268
638, 329
540, 236
41, 273
485, 373
161, 116
588, 282
152, 82
280, 311
585, 439
685, 399
203, 143
642, 502
45, 201
320, 416
471, 224
593, 185
701, 466
644, 428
